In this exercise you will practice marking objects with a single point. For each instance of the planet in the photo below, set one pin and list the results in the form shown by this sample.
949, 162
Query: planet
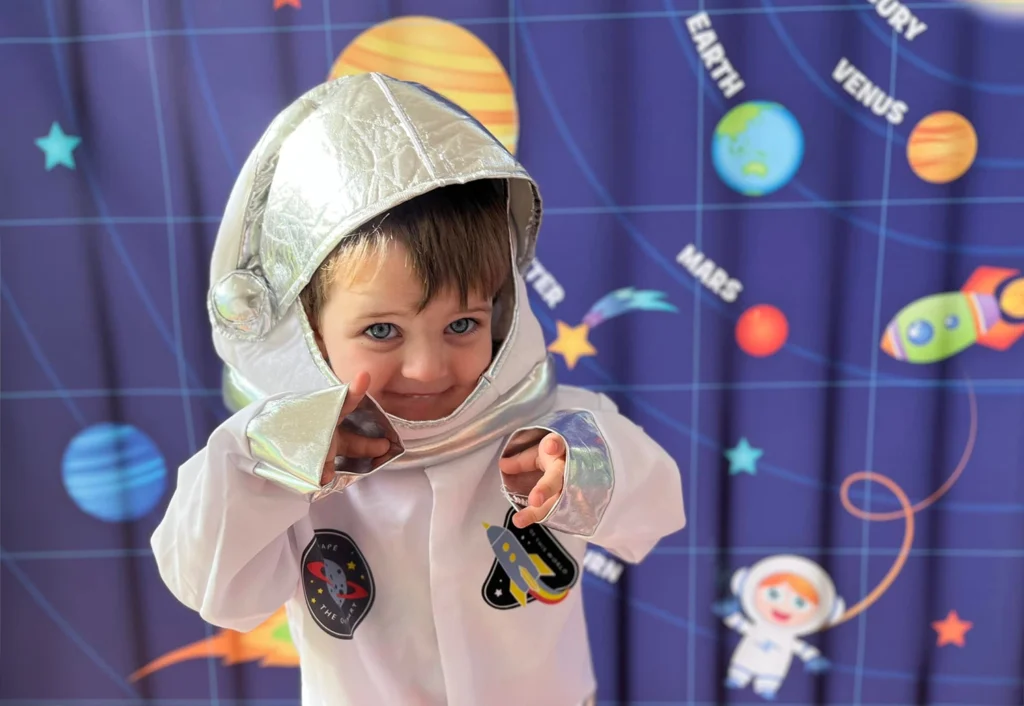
762, 330
114, 472
444, 57
942, 147
757, 147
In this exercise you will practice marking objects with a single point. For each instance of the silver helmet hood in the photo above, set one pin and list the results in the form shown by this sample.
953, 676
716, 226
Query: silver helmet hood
340, 155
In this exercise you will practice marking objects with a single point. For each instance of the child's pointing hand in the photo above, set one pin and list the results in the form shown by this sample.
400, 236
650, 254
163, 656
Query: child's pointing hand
349, 443
540, 467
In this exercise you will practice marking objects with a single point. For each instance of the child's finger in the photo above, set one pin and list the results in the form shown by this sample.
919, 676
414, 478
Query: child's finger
528, 515
522, 462
550, 484
356, 391
552, 450
358, 446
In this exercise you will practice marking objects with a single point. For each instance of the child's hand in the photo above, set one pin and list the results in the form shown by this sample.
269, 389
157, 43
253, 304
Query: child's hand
348, 443
541, 466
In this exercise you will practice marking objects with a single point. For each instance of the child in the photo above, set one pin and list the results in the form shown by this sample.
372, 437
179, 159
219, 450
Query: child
367, 295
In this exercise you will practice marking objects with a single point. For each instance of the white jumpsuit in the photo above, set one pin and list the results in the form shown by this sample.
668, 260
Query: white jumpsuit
407, 584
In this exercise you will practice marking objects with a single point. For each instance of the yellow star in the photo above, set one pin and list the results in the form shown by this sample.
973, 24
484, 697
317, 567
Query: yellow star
319, 590
351, 566
572, 343
312, 600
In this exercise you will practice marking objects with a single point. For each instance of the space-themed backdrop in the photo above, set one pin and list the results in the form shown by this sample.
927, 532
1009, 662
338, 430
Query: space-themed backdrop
785, 236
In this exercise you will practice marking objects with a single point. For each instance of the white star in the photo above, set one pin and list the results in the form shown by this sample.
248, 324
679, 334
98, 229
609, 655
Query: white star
497, 593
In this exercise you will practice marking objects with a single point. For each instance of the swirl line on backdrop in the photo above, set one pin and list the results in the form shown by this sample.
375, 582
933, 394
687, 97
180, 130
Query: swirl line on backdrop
907, 512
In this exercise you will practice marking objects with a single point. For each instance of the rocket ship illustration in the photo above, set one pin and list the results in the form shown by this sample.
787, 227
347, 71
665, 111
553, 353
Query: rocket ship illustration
988, 309
525, 571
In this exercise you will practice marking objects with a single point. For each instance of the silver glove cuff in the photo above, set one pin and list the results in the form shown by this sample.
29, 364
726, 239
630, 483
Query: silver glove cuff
291, 436
589, 478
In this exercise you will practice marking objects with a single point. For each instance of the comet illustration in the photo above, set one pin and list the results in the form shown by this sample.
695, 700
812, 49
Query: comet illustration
270, 643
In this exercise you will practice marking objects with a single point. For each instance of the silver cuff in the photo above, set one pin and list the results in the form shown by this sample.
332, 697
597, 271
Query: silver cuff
291, 436
589, 477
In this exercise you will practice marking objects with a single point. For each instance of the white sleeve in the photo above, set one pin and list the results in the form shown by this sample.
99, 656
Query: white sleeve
226, 546
621, 490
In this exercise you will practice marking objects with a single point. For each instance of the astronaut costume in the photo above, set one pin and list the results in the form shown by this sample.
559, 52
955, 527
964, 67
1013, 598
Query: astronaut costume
394, 591
766, 651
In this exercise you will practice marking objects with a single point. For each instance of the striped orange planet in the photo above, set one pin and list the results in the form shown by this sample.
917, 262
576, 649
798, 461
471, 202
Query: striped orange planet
942, 147
446, 58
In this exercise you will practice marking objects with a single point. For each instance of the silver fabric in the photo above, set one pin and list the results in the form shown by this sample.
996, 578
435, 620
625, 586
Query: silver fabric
589, 476
236, 391
242, 305
325, 167
291, 436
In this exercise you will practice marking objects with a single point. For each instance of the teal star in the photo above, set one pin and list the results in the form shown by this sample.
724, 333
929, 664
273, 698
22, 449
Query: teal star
743, 458
58, 147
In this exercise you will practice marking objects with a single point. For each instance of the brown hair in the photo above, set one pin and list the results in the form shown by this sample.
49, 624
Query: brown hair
456, 237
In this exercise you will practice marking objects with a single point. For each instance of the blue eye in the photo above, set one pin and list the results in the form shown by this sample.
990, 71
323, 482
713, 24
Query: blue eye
799, 602
920, 332
773, 594
461, 326
952, 322
380, 332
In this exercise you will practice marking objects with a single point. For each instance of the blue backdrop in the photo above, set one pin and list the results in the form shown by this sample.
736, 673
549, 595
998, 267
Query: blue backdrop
789, 184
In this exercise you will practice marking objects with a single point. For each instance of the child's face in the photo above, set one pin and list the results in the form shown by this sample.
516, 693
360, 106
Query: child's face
421, 365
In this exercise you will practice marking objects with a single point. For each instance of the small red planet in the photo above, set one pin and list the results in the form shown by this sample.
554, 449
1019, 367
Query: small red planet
762, 330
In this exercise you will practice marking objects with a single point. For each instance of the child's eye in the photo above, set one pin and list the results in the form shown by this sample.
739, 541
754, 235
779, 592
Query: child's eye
462, 326
799, 602
380, 332
773, 594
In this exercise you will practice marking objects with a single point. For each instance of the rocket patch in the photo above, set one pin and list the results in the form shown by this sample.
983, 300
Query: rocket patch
529, 565
337, 583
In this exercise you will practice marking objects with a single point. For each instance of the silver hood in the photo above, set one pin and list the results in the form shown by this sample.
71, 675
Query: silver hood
343, 153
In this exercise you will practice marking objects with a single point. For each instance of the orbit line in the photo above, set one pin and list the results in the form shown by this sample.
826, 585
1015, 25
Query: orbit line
907, 512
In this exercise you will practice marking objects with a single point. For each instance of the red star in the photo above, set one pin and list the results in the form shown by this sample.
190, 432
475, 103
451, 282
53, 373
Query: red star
952, 630
278, 4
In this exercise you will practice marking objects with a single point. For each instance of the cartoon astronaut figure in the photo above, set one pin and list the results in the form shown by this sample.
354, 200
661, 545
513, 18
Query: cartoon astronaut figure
774, 603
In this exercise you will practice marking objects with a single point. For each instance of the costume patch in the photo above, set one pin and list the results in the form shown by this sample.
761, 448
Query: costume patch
529, 565
337, 582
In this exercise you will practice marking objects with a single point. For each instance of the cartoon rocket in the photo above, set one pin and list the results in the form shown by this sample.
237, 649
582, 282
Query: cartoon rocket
525, 571
988, 309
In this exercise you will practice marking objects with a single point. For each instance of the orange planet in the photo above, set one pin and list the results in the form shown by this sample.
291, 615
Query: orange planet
444, 57
942, 147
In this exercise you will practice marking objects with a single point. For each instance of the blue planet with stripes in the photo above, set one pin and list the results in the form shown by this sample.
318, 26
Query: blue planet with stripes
114, 472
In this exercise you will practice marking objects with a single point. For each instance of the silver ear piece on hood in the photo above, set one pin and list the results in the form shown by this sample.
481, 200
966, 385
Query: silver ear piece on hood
242, 305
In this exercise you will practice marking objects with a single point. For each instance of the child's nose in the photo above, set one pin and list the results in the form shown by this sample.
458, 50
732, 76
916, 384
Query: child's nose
425, 362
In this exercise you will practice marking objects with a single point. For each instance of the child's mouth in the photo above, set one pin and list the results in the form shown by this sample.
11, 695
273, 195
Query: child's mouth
781, 617
418, 395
